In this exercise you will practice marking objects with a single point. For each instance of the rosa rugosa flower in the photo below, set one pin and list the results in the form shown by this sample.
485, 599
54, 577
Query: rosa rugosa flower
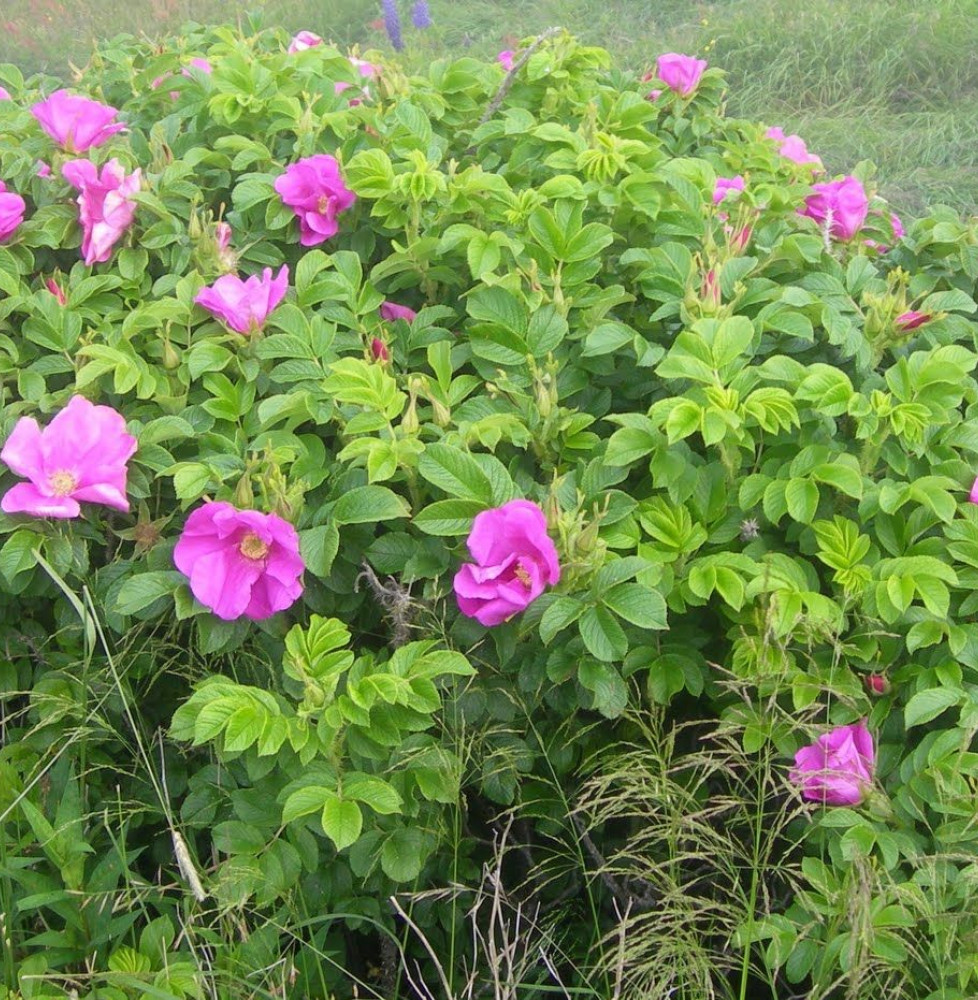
240, 562
792, 147
391, 311
105, 208
12, 208
680, 73
725, 185
245, 305
514, 561
80, 456
973, 495
314, 189
304, 40
76, 123
5, 94
505, 59
838, 768
366, 70
842, 204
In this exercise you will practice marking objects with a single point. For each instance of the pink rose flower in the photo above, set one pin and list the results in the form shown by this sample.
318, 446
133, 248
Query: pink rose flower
12, 208
378, 350
5, 94
314, 189
973, 496
240, 562
898, 231
105, 207
680, 73
911, 320
843, 204
505, 59
56, 290
653, 95
792, 147
80, 456
304, 40
391, 311
43, 169
76, 123
514, 561
726, 184
245, 305
838, 768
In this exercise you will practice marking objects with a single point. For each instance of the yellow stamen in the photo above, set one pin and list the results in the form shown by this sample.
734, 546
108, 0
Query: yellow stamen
62, 483
522, 575
252, 547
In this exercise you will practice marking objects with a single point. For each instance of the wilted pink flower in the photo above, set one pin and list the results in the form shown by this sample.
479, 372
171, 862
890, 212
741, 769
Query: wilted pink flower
304, 40
43, 169
56, 290
80, 456
379, 350
973, 496
391, 311
105, 207
877, 685
12, 208
5, 94
240, 562
898, 231
505, 59
680, 73
842, 204
792, 147
245, 305
726, 184
514, 561
911, 320
76, 123
222, 235
366, 69
838, 768
710, 294
197, 63
314, 189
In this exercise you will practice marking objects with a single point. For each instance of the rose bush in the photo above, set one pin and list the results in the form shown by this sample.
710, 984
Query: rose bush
518, 437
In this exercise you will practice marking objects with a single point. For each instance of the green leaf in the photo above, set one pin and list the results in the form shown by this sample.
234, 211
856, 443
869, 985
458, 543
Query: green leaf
142, 589
642, 606
561, 612
319, 547
342, 821
927, 705
369, 504
456, 472
605, 683
448, 517
381, 796
403, 854
602, 634
306, 800
801, 496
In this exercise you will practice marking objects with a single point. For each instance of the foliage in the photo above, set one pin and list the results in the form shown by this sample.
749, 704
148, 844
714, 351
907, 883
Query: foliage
756, 480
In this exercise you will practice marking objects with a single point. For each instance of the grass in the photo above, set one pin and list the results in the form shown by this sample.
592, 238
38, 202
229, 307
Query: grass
893, 81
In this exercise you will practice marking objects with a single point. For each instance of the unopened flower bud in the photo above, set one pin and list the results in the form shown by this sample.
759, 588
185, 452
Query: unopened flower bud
171, 357
710, 295
379, 351
244, 496
877, 685
56, 290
